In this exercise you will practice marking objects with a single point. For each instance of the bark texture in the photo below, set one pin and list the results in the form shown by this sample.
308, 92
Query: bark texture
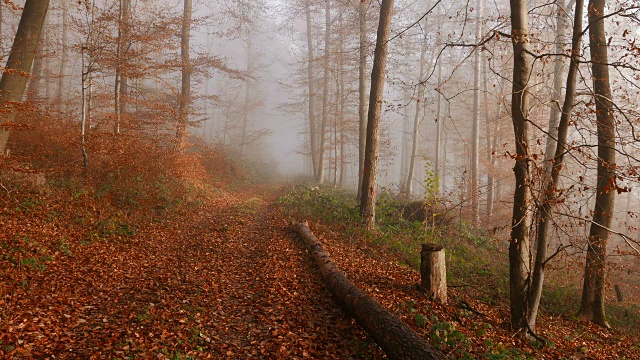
368, 199
592, 305
18, 66
519, 255
395, 337
433, 272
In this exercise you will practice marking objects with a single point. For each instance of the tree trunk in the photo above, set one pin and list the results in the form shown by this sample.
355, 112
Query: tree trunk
439, 128
118, 73
63, 60
185, 96
325, 90
33, 94
14, 81
416, 120
545, 213
488, 119
404, 147
85, 95
362, 91
312, 117
124, 43
519, 256
395, 338
475, 128
48, 91
627, 217
558, 75
368, 199
592, 305
247, 94
342, 101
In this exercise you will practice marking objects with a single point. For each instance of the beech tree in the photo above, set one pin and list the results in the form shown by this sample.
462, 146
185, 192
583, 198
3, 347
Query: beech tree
18, 67
368, 197
544, 210
519, 246
185, 92
362, 90
593, 297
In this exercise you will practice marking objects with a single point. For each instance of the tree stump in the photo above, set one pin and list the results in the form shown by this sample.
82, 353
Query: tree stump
433, 272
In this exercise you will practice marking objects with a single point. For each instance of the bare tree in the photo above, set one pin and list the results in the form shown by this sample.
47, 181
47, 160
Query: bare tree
362, 91
521, 219
64, 58
592, 305
422, 79
475, 126
185, 94
544, 211
312, 95
367, 201
325, 90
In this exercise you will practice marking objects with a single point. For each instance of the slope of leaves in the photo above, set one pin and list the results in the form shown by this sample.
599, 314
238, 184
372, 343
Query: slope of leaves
475, 322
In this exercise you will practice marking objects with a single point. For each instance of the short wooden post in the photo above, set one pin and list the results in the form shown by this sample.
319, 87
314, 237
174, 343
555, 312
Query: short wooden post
433, 272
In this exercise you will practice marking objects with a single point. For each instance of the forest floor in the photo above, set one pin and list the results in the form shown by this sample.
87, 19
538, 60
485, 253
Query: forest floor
226, 278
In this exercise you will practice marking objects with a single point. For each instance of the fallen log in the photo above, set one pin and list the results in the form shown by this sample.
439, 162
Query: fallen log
395, 337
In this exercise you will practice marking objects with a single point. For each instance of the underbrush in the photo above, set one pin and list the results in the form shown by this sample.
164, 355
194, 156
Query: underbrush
471, 255
477, 264
50, 203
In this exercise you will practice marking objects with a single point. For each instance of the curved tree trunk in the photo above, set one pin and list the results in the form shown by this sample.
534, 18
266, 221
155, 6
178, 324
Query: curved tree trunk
592, 305
14, 81
545, 214
394, 336
416, 119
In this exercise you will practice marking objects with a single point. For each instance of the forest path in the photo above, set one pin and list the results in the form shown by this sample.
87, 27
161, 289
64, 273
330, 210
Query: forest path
228, 280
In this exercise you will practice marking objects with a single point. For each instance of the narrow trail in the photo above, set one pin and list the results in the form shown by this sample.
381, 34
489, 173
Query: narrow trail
228, 281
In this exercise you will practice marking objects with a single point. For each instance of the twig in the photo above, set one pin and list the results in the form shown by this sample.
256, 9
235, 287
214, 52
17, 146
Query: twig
626, 238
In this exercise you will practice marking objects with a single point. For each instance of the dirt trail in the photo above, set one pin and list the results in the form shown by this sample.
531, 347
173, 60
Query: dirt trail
228, 281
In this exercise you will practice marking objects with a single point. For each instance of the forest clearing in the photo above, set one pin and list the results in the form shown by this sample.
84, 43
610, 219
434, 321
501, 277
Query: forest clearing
289, 179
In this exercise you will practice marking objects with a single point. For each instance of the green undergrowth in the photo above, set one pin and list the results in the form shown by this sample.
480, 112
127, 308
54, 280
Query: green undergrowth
477, 264
471, 254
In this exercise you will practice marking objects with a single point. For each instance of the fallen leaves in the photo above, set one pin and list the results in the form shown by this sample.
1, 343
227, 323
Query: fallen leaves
176, 289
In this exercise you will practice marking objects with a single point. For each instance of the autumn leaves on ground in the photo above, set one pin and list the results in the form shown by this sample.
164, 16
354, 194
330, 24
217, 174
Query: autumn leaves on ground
151, 255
